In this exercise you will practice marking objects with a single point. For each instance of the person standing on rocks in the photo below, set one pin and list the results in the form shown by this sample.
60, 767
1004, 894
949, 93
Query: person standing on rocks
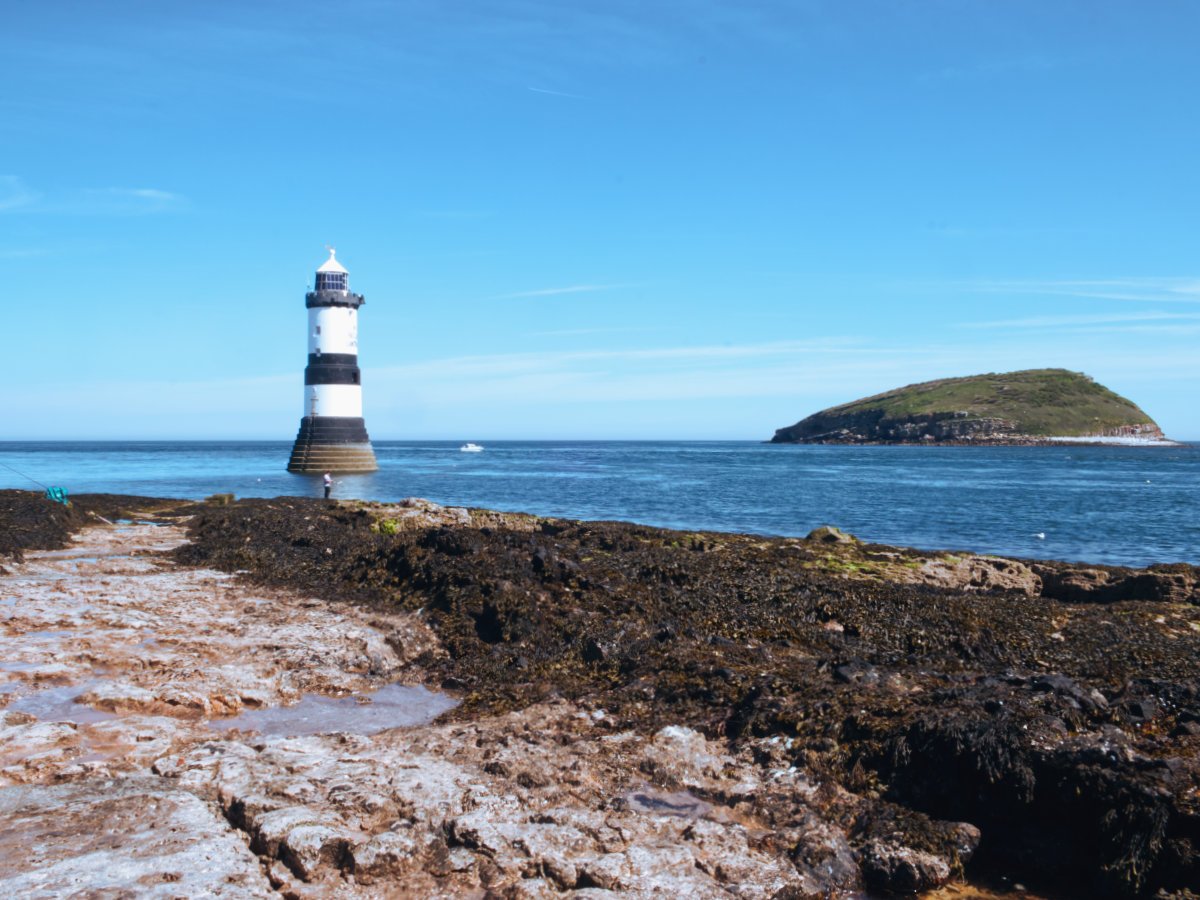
328, 479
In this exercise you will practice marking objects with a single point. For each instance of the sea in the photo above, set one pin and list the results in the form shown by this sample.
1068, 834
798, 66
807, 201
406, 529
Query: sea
1116, 505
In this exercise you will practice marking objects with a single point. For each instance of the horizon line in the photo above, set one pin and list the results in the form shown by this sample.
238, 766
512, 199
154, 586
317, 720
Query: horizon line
456, 440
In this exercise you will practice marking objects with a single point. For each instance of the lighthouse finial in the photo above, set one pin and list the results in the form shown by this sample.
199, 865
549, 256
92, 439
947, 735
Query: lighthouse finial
332, 264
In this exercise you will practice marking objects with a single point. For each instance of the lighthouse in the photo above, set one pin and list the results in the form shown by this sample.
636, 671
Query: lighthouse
333, 436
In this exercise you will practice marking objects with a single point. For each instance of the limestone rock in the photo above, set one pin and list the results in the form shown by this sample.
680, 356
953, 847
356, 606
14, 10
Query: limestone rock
393, 854
981, 573
1111, 584
830, 534
309, 849
130, 837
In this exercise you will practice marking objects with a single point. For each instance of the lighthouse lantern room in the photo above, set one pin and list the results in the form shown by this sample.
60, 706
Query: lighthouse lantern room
333, 436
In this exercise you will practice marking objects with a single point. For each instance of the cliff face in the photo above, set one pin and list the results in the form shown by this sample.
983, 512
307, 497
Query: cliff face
1027, 407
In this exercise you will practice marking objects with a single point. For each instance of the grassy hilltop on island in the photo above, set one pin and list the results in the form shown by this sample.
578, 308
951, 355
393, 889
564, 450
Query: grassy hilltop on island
1030, 406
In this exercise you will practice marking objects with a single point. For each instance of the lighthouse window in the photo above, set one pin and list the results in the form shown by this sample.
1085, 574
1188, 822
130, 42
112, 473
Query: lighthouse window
318, 329
331, 281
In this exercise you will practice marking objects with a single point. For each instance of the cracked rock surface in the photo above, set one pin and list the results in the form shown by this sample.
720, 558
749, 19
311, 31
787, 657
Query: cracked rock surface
132, 836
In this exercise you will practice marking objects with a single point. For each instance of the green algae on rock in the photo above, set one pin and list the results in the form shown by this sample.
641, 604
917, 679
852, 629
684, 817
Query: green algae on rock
1027, 407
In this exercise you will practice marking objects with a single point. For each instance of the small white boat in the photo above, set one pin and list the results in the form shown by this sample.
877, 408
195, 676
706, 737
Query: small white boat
471, 448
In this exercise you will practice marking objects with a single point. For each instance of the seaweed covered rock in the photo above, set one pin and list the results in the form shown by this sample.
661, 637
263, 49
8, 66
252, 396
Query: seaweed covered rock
1039, 765
898, 869
1058, 729
30, 521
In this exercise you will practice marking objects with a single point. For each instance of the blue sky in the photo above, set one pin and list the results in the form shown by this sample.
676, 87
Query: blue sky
591, 220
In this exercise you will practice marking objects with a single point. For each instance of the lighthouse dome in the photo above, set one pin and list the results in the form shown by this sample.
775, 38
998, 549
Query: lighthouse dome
332, 275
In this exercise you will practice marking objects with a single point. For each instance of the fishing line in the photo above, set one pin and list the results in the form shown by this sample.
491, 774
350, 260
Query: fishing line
23, 475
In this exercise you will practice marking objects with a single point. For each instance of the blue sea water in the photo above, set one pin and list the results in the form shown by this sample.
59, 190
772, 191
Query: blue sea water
1117, 505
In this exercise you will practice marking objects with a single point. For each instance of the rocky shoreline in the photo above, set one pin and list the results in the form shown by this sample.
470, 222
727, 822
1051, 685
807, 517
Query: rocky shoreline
952, 430
640, 710
1007, 440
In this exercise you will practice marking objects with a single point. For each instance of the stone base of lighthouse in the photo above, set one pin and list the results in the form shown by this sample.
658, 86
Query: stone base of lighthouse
332, 444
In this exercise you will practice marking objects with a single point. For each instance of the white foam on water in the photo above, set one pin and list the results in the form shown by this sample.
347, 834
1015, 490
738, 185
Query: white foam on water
1116, 440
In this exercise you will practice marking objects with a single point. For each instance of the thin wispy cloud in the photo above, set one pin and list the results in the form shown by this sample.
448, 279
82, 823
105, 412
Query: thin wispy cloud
14, 194
581, 332
994, 68
538, 90
508, 363
136, 201
521, 380
1083, 320
17, 197
453, 215
557, 291
1163, 330
153, 194
1142, 290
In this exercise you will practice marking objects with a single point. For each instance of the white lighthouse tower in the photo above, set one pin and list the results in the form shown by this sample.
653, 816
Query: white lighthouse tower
333, 436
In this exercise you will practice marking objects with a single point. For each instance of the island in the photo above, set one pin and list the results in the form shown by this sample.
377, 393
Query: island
1033, 406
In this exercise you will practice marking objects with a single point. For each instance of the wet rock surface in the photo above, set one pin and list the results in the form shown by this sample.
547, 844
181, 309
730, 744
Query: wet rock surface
134, 653
642, 711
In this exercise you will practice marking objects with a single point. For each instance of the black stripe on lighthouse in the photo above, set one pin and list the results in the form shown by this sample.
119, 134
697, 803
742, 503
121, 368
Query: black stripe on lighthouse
332, 375
332, 430
332, 368
333, 298
333, 359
